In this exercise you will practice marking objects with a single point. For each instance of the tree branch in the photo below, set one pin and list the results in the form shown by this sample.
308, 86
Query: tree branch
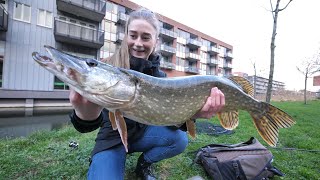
285, 6
272, 11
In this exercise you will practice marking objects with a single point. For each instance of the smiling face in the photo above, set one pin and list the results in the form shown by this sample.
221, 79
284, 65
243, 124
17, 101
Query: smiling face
142, 38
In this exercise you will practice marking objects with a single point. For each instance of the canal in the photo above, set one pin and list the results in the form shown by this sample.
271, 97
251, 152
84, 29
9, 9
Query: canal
21, 124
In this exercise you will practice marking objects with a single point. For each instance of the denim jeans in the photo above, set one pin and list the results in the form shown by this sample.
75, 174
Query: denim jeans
157, 143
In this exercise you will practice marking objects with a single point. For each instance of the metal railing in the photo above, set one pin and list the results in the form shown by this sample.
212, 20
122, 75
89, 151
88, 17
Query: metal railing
229, 55
167, 65
227, 65
213, 49
194, 56
168, 32
167, 48
3, 19
212, 61
95, 5
122, 17
78, 32
194, 42
191, 69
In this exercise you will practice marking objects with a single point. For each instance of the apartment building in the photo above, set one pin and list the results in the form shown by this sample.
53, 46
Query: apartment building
93, 29
73, 26
184, 50
262, 84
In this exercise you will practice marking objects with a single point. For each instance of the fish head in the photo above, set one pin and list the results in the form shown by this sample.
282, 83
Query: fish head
83, 74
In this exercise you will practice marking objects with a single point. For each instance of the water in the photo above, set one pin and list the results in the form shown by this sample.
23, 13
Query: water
13, 127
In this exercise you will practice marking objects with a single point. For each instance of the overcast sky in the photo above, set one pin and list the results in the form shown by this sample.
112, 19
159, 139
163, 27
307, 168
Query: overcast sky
247, 26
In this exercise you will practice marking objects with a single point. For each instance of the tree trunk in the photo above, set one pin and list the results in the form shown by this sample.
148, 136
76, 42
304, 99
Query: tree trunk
255, 81
305, 88
272, 48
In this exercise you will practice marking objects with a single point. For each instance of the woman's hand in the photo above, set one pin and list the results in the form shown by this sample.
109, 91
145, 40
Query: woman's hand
213, 105
84, 109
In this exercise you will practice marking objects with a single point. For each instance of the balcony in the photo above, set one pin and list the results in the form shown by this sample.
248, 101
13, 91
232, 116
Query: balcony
167, 65
210, 73
3, 19
193, 43
212, 62
167, 35
227, 65
228, 55
213, 50
192, 57
122, 18
192, 70
167, 50
119, 37
76, 34
94, 10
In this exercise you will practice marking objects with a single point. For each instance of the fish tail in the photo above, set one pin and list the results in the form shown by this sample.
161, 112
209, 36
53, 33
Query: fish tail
269, 121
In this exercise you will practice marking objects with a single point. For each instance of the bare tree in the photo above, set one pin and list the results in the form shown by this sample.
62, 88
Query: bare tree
273, 46
254, 80
309, 67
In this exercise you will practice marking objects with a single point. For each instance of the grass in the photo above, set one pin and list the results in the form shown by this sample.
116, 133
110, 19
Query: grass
46, 155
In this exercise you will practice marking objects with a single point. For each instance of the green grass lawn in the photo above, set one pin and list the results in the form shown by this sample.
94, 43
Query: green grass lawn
46, 155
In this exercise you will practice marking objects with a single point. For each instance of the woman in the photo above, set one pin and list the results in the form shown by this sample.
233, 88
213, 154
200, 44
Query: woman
156, 143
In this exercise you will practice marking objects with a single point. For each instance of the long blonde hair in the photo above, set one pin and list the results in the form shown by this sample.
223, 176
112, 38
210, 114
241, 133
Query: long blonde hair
121, 57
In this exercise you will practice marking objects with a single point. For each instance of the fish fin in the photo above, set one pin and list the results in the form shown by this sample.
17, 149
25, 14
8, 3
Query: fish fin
244, 83
112, 119
229, 120
270, 121
191, 127
122, 128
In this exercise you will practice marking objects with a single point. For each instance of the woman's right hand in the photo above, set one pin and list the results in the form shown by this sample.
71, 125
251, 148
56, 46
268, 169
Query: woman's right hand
84, 109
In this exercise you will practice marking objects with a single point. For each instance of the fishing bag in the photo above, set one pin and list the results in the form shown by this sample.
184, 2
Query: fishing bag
245, 161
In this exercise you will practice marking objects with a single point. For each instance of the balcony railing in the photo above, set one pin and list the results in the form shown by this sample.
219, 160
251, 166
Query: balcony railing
192, 70
193, 43
227, 65
168, 34
229, 55
122, 18
119, 37
91, 9
192, 56
212, 61
213, 50
167, 65
3, 19
167, 50
210, 73
68, 32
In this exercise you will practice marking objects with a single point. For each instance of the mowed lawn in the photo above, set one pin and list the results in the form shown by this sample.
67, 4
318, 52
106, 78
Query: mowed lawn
47, 155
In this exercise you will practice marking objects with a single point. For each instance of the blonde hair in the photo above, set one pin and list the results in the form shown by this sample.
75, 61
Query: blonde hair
121, 57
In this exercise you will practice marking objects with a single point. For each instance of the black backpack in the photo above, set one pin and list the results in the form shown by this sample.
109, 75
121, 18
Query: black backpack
245, 161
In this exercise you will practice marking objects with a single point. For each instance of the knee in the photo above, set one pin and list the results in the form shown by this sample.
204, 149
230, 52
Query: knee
180, 141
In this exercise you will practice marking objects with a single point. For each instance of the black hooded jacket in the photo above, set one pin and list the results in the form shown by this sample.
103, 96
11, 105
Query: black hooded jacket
107, 137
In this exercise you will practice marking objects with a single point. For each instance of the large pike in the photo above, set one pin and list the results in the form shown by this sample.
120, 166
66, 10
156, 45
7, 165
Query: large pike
161, 101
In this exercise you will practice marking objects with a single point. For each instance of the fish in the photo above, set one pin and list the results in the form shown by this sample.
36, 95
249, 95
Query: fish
170, 101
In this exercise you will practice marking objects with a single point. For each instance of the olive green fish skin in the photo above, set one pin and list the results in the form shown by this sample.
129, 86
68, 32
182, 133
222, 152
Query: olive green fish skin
169, 101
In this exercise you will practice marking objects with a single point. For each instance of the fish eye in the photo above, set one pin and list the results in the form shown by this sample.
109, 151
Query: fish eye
91, 62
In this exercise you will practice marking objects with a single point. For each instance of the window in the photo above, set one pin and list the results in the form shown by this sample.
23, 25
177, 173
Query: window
45, 18
22, 12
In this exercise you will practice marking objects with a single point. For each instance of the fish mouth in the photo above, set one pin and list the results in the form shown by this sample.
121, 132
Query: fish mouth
60, 61
44, 60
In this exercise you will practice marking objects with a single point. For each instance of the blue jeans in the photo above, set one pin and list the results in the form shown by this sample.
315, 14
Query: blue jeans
157, 143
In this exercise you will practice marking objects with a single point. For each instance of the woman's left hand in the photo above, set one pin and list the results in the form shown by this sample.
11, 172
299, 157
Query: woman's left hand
215, 102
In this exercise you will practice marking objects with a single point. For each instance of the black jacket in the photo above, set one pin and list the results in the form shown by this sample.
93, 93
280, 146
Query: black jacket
107, 137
